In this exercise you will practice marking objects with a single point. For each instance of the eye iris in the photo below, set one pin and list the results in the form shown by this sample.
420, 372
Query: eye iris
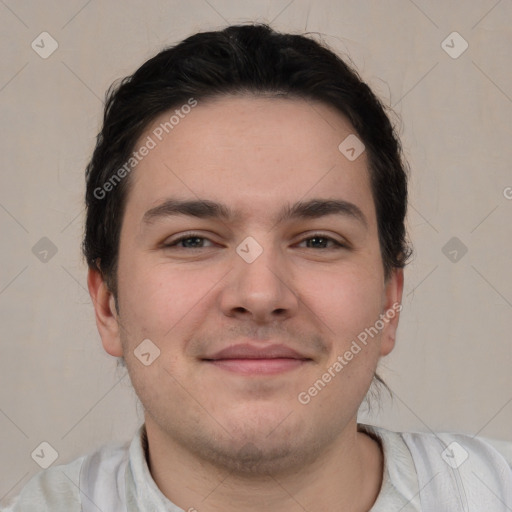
195, 238
316, 238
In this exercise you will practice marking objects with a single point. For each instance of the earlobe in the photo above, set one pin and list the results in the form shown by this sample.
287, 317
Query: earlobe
105, 312
393, 306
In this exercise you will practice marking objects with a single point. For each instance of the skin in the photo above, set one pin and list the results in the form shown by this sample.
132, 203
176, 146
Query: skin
220, 440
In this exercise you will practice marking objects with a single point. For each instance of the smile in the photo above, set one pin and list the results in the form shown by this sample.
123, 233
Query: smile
265, 366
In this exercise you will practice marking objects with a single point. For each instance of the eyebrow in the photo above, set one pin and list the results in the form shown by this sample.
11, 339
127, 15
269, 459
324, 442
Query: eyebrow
206, 209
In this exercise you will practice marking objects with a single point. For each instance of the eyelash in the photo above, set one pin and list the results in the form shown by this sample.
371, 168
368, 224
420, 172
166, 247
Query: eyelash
337, 245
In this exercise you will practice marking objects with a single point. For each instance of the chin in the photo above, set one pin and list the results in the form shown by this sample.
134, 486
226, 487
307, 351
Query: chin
271, 445
260, 457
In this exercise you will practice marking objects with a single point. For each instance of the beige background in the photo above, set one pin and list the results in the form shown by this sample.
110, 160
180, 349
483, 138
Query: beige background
451, 368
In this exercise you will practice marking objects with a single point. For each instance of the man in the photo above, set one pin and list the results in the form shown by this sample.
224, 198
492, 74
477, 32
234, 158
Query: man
245, 241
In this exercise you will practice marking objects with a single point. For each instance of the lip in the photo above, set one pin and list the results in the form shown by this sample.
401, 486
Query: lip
247, 359
249, 351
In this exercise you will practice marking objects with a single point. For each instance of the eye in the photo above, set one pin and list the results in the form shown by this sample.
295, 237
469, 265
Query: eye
195, 240
320, 241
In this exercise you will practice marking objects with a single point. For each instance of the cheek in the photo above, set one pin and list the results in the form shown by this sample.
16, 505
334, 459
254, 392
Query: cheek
158, 299
349, 304
347, 301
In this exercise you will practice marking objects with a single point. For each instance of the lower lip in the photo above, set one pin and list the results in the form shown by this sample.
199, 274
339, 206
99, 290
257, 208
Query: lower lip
258, 366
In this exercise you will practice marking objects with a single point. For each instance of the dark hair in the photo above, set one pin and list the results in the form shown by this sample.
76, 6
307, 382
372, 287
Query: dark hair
237, 60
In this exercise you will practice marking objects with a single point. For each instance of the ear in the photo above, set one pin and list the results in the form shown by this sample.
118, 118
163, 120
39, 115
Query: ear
393, 290
106, 315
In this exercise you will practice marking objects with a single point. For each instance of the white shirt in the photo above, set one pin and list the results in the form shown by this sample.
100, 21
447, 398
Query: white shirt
116, 477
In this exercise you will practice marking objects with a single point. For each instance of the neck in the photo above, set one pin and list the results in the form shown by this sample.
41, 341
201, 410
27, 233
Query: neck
346, 477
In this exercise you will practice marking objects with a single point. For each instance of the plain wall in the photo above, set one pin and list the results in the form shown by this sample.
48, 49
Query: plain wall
450, 370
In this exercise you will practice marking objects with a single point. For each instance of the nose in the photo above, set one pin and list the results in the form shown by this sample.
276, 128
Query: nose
262, 290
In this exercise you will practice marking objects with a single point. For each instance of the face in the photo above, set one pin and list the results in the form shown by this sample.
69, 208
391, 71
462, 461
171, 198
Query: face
249, 309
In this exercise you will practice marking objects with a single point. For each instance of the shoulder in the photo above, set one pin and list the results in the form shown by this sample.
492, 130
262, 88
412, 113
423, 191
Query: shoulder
451, 448
453, 469
61, 488
504, 448
457, 469
54, 489
455, 448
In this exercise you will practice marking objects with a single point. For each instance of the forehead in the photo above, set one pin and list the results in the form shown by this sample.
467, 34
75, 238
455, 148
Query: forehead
251, 152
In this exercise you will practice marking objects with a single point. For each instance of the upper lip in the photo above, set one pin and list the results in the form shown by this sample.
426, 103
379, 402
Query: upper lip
248, 351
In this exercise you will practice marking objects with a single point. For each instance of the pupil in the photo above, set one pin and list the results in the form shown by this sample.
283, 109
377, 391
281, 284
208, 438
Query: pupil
195, 239
316, 238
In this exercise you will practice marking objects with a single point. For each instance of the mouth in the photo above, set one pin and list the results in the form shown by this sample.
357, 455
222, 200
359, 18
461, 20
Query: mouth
247, 359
